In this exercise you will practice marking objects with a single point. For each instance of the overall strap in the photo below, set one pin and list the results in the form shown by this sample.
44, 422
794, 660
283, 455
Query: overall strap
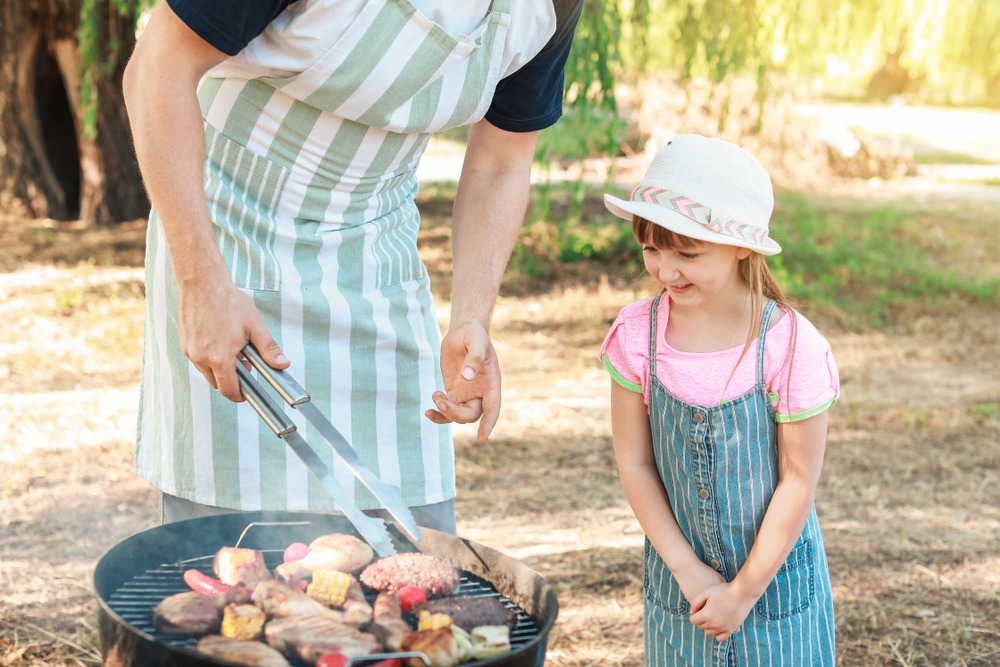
652, 335
761, 335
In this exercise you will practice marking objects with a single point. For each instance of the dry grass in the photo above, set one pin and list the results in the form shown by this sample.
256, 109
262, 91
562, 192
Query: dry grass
910, 498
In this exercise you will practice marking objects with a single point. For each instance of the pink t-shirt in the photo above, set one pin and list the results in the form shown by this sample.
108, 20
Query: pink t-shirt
699, 378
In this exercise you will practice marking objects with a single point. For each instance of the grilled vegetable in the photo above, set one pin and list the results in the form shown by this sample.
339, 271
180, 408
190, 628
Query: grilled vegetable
329, 587
410, 596
429, 621
489, 641
242, 621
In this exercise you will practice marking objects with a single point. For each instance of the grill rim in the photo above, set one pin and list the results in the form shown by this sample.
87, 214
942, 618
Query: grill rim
177, 543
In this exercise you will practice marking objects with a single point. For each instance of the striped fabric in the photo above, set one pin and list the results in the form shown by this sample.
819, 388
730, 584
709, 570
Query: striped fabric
719, 467
311, 182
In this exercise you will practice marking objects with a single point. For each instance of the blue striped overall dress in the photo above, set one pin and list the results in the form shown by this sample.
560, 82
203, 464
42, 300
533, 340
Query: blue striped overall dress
719, 466
310, 179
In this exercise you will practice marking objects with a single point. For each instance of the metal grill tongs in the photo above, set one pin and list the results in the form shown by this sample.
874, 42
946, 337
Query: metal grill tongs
372, 529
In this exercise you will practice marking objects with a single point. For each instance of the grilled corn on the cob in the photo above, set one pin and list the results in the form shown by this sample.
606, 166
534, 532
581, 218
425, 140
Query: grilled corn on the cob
329, 587
242, 621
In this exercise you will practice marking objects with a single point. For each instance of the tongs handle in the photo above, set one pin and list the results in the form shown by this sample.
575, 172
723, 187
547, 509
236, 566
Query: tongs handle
283, 383
263, 404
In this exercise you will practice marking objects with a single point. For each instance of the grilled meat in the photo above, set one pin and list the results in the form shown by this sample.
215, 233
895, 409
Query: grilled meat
310, 637
187, 613
254, 653
430, 573
357, 611
278, 601
356, 552
468, 612
233, 565
441, 647
336, 551
387, 622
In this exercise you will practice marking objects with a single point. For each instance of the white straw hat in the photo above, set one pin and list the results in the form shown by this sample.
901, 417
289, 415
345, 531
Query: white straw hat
707, 189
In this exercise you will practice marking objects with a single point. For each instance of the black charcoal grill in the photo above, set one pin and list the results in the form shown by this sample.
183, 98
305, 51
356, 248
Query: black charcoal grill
136, 574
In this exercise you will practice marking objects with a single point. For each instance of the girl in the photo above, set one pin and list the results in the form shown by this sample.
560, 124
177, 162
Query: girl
719, 417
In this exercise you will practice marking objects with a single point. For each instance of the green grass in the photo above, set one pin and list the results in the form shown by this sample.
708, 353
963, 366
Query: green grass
945, 157
861, 267
993, 182
866, 264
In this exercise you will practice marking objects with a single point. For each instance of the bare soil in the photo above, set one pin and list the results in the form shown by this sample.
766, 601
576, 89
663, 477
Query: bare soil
909, 499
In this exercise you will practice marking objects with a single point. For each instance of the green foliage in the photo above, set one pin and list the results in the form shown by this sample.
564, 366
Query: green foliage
859, 268
593, 61
568, 224
582, 132
98, 52
719, 37
946, 49
591, 125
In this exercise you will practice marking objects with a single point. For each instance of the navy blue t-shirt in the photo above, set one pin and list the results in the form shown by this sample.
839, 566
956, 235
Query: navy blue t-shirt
529, 99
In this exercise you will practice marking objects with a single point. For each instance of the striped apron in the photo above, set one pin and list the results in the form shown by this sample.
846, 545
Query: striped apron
719, 466
311, 182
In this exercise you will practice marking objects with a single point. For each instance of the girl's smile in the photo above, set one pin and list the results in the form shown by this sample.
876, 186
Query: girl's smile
695, 274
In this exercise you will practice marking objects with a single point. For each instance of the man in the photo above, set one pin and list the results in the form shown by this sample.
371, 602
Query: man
278, 142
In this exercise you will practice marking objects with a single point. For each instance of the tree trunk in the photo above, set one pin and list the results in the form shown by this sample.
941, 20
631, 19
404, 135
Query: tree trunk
48, 166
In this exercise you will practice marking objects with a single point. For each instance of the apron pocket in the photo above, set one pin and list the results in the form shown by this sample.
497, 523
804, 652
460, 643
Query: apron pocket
660, 586
243, 190
793, 588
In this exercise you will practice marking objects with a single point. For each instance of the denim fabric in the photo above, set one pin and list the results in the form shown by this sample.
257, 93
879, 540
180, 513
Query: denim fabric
719, 466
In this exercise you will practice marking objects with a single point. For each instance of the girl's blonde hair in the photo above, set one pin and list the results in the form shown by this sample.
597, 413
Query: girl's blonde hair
754, 273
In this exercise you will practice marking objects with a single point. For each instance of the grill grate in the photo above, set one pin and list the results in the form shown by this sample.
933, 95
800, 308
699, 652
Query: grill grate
135, 599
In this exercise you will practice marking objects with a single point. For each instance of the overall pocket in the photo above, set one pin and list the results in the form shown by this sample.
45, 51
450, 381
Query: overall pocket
793, 588
660, 586
242, 191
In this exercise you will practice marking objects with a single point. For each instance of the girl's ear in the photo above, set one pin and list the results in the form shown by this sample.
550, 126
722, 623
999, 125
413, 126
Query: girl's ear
743, 253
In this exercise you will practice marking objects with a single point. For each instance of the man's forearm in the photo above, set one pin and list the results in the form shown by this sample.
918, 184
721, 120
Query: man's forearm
489, 209
160, 87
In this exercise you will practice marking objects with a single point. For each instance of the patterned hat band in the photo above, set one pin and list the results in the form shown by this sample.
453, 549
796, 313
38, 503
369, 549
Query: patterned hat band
699, 213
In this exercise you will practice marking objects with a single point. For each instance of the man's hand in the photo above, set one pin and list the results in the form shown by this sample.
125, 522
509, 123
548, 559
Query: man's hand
216, 321
471, 380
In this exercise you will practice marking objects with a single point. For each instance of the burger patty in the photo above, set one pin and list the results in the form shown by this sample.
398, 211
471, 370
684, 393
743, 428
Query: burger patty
468, 612
430, 573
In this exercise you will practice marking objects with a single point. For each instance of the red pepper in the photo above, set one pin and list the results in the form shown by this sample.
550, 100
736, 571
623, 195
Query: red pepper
410, 596
202, 583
